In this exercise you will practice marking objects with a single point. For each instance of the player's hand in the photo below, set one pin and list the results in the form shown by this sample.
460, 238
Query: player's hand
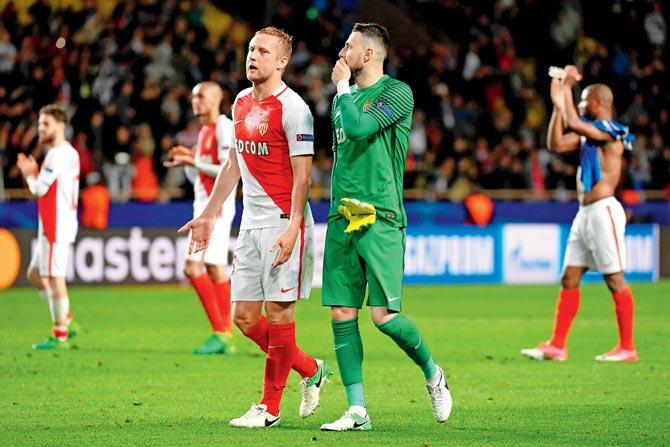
572, 75
27, 165
556, 93
340, 72
284, 243
181, 156
201, 230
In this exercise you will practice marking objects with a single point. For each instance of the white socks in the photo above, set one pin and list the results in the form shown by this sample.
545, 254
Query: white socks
60, 308
45, 294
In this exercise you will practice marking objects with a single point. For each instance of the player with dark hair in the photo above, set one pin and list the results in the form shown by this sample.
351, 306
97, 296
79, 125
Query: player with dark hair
596, 238
202, 165
365, 240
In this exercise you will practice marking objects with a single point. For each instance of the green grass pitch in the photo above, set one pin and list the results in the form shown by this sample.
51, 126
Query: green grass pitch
133, 381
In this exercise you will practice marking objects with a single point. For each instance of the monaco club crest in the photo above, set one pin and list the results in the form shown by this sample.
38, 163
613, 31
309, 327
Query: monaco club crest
263, 127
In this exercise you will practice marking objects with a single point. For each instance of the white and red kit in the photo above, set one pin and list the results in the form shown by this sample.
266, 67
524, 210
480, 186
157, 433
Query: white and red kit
211, 152
267, 134
596, 239
57, 190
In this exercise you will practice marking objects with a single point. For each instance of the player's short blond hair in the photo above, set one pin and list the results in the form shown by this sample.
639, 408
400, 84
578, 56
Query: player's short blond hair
285, 40
56, 111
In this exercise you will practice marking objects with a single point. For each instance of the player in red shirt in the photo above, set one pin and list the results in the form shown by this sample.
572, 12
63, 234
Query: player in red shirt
273, 263
57, 190
202, 165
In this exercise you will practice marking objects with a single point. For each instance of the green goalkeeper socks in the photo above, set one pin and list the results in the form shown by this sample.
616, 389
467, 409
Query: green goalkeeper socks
349, 353
406, 335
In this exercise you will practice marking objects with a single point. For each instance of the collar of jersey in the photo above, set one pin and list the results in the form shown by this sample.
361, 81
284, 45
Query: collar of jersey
279, 89
384, 76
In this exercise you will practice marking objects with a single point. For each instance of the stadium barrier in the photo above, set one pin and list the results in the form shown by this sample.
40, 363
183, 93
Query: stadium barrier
435, 254
174, 214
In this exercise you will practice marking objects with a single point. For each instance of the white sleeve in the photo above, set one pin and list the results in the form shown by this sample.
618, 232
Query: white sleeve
51, 168
191, 173
299, 128
224, 137
209, 169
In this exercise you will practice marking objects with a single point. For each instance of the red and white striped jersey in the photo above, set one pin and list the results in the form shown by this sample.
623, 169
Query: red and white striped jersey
214, 142
267, 134
57, 209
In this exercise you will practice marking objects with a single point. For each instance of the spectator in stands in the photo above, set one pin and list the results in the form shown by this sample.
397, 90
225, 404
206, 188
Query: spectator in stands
475, 69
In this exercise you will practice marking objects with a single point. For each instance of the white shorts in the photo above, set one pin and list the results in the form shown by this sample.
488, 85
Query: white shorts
596, 237
216, 252
254, 279
50, 258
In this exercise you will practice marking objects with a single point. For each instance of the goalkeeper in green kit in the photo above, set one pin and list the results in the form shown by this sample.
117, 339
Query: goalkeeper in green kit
365, 240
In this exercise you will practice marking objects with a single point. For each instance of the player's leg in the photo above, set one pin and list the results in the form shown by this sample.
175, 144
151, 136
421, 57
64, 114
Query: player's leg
246, 284
577, 260
344, 291
383, 249
624, 308
221, 285
281, 348
33, 275
609, 251
567, 306
216, 263
52, 266
204, 288
221, 282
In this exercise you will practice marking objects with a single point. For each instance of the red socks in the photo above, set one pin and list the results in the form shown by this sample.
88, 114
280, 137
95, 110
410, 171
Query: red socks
281, 347
566, 309
568, 304
303, 364
624, 307
204, 287
222, 294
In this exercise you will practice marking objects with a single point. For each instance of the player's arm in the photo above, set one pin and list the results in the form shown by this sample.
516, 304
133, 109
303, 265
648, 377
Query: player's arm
226, 181
574, 122
183, 156
201, 227
301, 166
39, 184
558, 139
298, 127
356, 125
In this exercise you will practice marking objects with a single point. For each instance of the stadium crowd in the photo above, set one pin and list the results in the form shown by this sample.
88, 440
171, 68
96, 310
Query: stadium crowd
477, 69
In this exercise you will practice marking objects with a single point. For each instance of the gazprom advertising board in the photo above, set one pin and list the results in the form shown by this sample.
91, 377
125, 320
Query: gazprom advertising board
452, 254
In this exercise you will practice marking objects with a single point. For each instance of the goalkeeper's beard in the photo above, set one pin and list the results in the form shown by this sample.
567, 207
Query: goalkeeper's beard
355, 73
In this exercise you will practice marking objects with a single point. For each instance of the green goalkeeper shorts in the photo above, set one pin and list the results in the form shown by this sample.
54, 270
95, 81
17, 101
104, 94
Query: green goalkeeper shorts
374, 256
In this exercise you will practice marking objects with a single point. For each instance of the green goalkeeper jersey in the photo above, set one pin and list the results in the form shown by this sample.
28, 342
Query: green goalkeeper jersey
371, 129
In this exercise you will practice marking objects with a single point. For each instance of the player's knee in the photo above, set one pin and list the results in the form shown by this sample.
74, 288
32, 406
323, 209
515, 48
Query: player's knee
338, 313
33, 275
615, 282
569, 281
380, 318
217, 272
191, 270
244, 322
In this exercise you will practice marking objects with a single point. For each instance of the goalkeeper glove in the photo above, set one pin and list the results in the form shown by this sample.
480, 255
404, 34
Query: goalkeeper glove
359, 214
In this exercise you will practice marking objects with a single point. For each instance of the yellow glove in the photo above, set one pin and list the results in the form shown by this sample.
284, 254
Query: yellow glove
359, 214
